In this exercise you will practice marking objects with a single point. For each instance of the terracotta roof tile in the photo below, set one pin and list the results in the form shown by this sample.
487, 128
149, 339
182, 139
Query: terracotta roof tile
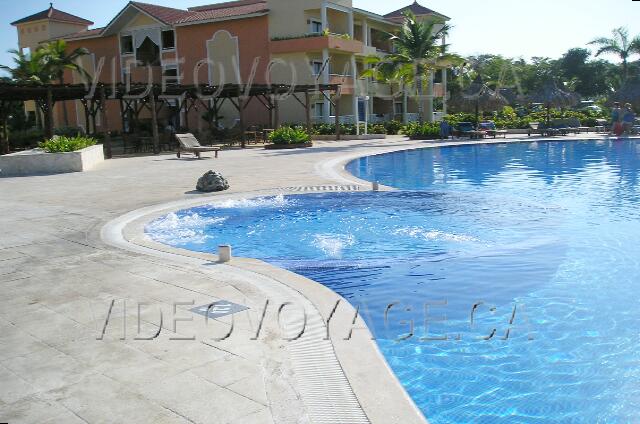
226, 12
167, 15
415, 8
172, 16
54, 15
82, 34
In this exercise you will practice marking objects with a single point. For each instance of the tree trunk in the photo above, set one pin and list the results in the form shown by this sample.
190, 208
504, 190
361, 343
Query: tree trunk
477, 115
4, 140
65, 115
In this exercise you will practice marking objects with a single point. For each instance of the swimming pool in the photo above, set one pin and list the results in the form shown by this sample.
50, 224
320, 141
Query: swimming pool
530, 250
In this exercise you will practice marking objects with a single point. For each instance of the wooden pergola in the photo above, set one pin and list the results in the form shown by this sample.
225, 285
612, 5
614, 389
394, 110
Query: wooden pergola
134, 98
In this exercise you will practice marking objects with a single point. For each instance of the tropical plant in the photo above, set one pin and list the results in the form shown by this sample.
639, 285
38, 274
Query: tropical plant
422, 131
289, 135
45, 65
56, 61
620, 45
419, 51
67, 144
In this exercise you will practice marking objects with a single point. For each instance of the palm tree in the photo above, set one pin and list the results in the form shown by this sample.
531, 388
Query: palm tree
27, 68
419, 51
56, 61
619, 45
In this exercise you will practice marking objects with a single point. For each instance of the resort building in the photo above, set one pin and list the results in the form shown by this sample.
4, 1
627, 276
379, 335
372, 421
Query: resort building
245, 41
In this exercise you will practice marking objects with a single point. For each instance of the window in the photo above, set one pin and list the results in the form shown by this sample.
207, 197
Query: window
168, 40
319, 109
148, 54
126, 44
315, 27
398, 109
317, 67
170, 74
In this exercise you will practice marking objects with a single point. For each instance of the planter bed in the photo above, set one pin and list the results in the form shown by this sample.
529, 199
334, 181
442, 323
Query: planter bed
288, 146
39, 162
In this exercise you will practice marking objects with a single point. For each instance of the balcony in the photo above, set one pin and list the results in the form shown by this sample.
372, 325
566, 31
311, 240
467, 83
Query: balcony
309, 43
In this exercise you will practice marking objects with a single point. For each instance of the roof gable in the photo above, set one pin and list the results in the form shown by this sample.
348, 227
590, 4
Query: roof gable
415, 8
53, 14
170, 16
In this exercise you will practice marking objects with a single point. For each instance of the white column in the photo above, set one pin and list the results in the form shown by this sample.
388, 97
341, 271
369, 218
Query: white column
444, 84
325, 80
405, 106
323, 16
351, 24
429, 108
365, 32
356, 92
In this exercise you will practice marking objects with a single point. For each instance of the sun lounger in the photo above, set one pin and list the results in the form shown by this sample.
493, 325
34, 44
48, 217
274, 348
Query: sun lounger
189, 144
466, 129
542, 129
492, 130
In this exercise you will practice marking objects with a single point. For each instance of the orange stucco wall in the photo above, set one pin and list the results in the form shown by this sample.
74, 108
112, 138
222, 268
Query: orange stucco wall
107, 48
191, 43
253, 42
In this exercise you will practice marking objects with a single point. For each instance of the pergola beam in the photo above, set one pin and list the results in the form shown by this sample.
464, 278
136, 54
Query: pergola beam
93, 98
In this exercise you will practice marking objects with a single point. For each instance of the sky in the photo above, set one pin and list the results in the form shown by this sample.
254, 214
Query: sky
512, 28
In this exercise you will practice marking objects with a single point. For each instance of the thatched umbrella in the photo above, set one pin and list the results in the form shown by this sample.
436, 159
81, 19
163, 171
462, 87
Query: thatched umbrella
629, 93
553, 97
478, 97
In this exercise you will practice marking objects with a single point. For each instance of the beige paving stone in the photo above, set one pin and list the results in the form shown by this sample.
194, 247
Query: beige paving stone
99, 399
14, 341
200, 400
13, 388
47, 369
37, 410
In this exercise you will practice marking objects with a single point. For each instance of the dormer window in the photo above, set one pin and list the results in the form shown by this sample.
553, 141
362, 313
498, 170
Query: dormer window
126, 44
168, 40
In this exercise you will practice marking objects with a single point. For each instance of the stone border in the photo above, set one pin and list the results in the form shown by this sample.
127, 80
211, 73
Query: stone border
353, 368
275, 146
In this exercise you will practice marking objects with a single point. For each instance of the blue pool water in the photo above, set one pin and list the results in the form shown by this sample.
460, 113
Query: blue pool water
530, 251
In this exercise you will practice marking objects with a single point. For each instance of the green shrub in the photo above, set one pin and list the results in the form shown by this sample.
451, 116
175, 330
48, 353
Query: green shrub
25, 139
424, 131
67, 144
393, 127
68, 131
289, 135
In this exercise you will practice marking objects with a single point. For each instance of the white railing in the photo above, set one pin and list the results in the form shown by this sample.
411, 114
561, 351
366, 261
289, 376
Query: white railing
344, 119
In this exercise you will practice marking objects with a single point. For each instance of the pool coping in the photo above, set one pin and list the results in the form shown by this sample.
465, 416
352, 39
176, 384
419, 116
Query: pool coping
360, 359
365, 371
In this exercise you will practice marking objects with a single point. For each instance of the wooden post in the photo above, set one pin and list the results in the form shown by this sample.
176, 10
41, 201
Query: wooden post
307, 96
243, 132
154, 124
87, 123
276, 112
4, 140
272, 118
49, 129
105, 123
186, 113
336, 107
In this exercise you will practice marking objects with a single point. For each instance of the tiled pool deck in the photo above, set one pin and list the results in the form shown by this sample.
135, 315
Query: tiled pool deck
60, 280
